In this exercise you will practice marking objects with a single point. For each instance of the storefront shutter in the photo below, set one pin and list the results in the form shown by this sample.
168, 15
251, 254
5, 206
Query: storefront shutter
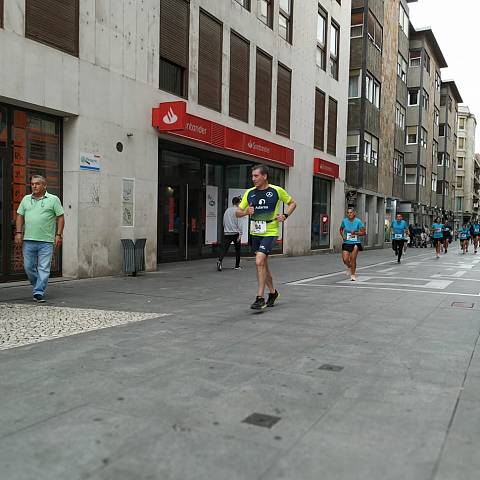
174, 31
53, 22
210, 62
319, 129
263, 90
332, 127
284, 85
239, 77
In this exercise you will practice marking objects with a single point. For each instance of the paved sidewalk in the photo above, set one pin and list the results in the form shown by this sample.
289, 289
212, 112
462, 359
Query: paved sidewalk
377, 380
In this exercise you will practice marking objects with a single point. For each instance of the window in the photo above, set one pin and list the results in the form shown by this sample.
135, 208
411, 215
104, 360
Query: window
239, 77
446, 189
441, 130
332, 127
265, 12
370, 149
353, 148
354, 84
459, 182
403, 20
413, 98
449, 103
397, 163
426, 61
443, 158
436, 117
438, 81
322, 39
414, 58
449, 131
410, 175
423, 138
402, 68
443, 100
434, 182
356, 29
460, 162
461, 123
459, 204
440, 159
244, 3
423, 176
400, 116
53, 23
334, 49
285, 20
210, 62
263, 90
425, 100
319, 128
375, 31
412, 133
372, 90
284, 87
1, 13
174, 46
461, 143
434, 152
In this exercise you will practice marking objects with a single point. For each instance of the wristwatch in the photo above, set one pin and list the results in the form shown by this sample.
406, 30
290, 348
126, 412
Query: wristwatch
285, 215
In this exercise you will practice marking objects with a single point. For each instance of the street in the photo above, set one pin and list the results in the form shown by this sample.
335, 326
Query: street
158, 376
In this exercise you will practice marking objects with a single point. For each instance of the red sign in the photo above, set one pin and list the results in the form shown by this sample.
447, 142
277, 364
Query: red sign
323, 167
170, 117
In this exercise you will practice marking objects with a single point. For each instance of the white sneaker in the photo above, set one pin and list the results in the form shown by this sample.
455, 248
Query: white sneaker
353, 278
348, 272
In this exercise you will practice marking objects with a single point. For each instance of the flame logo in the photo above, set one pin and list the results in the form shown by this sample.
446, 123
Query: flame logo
170, 117
250, 144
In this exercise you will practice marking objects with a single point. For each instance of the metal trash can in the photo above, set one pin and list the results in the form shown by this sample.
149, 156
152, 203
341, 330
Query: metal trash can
133, 255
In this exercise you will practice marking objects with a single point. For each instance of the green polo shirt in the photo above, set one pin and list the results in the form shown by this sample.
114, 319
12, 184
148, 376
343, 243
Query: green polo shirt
40, 217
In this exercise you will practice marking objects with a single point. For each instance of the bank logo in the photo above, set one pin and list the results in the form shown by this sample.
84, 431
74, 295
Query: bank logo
170, 118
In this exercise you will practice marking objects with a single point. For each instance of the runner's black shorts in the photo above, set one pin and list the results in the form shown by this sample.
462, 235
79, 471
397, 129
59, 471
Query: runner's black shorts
262, 244
348, 247
436, 241
398, 243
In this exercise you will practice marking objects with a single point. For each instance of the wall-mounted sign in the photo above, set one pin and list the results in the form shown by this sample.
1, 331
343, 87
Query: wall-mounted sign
211, 209
90, 162
324, 167
128, 202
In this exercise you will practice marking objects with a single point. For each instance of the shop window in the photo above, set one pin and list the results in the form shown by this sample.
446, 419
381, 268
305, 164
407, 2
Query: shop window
239, 77
210, 62
321, 201
174, 46
263, 90
54, 23
284, 86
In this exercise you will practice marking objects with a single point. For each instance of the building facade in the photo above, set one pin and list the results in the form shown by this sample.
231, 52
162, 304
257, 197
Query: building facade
377, 109
468, 166
146, 117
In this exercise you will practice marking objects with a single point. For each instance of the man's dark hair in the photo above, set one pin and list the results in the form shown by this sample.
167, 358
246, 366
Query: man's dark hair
263, 170
236, 200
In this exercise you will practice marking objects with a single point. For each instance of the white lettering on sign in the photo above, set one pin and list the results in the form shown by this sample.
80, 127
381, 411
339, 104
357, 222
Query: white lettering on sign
255, 146
196, 128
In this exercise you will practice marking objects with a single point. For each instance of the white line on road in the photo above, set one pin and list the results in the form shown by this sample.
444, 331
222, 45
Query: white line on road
436, 284
455, 275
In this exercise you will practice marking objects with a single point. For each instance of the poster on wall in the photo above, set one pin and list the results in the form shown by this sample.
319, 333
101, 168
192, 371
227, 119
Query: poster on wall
211, 209
238, 192
90, 162
128, 197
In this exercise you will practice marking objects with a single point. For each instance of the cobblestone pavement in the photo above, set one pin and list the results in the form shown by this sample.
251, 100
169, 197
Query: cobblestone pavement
26, 324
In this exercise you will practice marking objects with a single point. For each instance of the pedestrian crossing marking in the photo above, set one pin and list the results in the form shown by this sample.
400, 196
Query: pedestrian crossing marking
434, 284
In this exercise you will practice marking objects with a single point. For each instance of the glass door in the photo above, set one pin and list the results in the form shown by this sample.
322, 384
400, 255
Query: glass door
321, 213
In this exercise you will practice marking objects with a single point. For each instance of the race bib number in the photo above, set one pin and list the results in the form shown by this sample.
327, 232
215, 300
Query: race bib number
351, 237
258, 227
398, 236
463, 236
438, 230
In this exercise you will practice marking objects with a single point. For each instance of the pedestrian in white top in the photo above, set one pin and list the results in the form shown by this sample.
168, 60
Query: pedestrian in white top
232, 233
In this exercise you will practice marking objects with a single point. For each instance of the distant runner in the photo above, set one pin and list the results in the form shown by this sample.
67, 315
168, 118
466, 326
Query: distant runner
437, 234
464, 234
475, 233
447, 236
262, 203
350, 230
399, 235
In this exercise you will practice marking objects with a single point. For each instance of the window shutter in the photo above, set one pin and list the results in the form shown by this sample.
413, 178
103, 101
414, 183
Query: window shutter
319, 131
210, 62
284, 85
239, 77
1, 13
53, 22
332, 127
174, 31
357, 18
263, 90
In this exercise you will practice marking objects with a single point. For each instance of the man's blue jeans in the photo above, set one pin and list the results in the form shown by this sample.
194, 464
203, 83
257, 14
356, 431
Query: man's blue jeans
37, 259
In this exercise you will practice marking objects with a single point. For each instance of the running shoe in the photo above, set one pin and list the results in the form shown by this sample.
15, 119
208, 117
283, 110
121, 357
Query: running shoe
238, 268
219, 266
349, 272
272, 297
258, 304
353, 278
474, 251
39, 298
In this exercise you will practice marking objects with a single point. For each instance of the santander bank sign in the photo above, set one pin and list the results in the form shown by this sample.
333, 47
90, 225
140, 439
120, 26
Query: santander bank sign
172, 118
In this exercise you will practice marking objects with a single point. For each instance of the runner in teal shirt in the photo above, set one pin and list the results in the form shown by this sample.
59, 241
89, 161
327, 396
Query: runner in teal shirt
437, 230
399, 232
464, 234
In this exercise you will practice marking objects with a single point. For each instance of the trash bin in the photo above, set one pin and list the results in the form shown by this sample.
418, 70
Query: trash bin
133, 255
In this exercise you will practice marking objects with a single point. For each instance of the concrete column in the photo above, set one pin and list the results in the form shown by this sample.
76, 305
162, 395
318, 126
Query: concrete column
372, 218
381, 220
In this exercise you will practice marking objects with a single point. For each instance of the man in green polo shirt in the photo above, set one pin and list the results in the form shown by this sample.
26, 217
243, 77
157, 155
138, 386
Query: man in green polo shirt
39, 229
